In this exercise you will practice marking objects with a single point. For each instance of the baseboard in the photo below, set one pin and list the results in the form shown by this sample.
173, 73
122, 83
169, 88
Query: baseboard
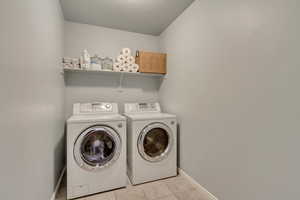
204, 191
58, 183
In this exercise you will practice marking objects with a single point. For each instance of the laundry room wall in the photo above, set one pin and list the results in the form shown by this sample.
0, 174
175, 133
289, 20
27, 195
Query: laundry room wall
31, 98
233, 80
91, 87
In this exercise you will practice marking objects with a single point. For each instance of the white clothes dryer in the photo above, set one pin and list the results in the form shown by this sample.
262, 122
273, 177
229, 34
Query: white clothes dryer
152, 143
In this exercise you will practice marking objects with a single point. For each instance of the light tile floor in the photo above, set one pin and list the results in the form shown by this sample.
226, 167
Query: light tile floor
176, 188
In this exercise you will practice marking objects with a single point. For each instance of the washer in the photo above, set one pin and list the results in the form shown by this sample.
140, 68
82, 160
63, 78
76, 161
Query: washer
96, 149
152, 143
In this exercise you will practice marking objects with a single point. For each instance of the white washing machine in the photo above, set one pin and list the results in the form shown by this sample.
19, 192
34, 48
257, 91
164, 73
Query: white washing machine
96, 149
152, 143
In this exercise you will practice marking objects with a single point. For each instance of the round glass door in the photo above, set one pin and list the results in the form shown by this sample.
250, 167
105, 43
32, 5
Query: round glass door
97, 147
155, 142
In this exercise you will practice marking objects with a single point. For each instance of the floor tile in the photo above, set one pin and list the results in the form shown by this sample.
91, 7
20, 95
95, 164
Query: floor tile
100, 196
190, 195
130, 193
62, 193
60, 198
179, 184
170, 197
175, 188
155, 190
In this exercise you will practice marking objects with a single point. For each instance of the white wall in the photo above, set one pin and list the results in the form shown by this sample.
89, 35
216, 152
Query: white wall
31, 100
234, 83
106, 42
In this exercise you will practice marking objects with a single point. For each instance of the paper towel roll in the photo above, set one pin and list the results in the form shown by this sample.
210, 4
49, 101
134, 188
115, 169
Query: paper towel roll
67, 60
75, 61
76, 66
126, 52
67, 65
96, 67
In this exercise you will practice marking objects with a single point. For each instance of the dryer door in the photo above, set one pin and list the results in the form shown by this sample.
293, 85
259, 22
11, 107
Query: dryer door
97, 147
155, 142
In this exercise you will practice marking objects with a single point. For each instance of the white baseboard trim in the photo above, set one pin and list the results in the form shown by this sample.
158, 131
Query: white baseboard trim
58, 183
204, 191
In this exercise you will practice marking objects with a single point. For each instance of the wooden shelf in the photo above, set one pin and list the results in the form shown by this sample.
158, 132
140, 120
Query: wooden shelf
67, 70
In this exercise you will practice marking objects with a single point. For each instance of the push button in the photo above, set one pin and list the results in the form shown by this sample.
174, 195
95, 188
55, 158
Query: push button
108, 106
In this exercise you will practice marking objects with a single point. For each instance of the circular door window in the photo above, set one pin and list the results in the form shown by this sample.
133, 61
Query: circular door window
155, 142
97, 147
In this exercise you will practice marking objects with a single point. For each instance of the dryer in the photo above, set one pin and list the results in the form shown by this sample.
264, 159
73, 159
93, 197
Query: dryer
96, 149
152, 143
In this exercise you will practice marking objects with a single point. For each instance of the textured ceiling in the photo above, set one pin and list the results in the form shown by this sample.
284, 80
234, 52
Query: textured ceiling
141, 16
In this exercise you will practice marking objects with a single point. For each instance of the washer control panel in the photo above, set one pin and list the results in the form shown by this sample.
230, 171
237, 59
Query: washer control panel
142, 107
94, 108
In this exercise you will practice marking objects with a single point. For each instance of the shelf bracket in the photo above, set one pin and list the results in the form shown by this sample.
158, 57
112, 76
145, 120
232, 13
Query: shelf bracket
121, 82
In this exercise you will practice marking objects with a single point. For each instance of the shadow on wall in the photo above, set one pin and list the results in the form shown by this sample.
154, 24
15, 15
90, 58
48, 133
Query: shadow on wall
92, 79
93, 86
141, 82
60, 160
178, 145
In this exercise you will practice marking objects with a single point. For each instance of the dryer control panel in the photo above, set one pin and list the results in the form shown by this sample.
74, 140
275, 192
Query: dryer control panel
142, 107
95, 108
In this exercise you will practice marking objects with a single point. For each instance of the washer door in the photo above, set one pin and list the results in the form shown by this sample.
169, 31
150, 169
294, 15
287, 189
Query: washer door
155, 142
97, 147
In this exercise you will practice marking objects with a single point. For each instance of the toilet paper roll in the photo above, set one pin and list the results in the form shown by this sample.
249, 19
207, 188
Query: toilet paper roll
131, 60
121, 59
126, 62
122, 68
129, 67
117, 67
116, 64
135, 68
126, 52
